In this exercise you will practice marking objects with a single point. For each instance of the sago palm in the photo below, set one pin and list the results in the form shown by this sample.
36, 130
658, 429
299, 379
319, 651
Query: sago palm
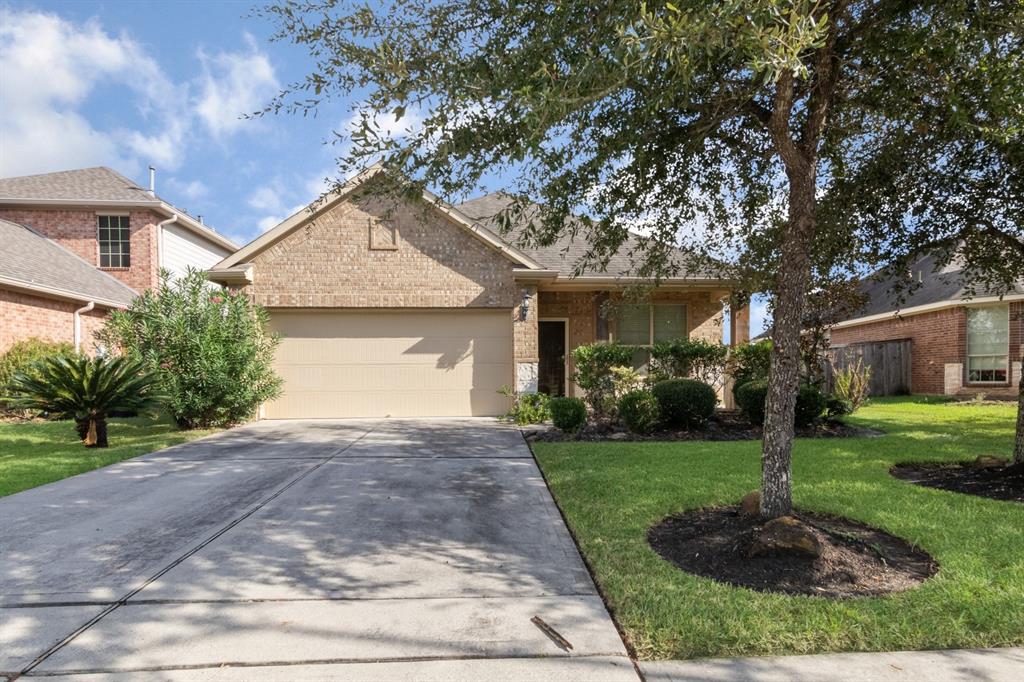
86, 390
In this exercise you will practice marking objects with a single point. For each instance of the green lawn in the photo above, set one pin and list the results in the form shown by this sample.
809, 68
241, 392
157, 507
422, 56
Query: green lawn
34, 453
612, 492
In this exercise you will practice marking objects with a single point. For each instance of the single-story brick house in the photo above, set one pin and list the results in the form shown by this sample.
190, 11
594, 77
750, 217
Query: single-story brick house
87, 240
423, 309
960, 344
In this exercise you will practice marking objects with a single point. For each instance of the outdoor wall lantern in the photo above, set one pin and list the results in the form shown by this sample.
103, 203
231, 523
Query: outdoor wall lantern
524, 306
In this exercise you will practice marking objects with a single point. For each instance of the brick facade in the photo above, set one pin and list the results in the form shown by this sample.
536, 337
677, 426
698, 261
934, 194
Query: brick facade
25, 316
76, 230
328, 262
939, 338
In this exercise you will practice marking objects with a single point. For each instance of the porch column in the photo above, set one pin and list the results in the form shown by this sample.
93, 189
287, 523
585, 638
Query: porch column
524, 338
739, 325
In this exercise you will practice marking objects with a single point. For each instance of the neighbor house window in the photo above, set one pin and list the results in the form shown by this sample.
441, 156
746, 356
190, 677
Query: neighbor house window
988, 344
646, 325
115, 241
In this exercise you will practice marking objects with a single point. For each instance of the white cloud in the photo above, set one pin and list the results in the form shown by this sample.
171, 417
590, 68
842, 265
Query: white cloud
234, 84
193, 190
266, 198
50, 67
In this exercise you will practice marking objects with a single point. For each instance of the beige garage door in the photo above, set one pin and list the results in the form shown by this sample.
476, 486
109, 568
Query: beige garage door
401, 364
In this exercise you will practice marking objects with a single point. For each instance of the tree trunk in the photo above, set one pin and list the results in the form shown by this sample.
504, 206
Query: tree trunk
90, 433
82, 428
1018, 446
101, 432
784, 377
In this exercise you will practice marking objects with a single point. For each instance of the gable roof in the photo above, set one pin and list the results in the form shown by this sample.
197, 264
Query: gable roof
32, 262
300, 217
563, 255
98, 186
936, 288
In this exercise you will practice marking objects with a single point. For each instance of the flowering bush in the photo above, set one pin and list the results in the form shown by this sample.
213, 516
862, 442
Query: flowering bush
210, 348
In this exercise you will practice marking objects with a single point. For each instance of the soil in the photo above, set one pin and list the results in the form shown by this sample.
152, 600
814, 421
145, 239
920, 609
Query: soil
724, 426
998, 483
856, 560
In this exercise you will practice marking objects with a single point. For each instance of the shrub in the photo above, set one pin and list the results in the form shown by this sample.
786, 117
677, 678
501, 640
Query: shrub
751, 398
594, 363
639, 410
626, 380
24, 353
810, 403
568, 414
685, 358
685, 403
210, 348
527, 408
851, 384
838, 407
86, 390
750, 362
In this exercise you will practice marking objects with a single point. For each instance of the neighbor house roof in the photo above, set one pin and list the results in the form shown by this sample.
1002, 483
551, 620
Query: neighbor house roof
933, 288
99, 186
31, 262
564, 254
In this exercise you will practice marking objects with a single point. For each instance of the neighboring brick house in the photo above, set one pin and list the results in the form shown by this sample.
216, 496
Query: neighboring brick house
105, 223
423, 309
960, 345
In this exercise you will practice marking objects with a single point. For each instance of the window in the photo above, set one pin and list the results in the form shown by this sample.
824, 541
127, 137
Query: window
988, 344
115, 241
645, 325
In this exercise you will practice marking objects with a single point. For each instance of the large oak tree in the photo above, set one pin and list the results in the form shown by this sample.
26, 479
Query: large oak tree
762, 133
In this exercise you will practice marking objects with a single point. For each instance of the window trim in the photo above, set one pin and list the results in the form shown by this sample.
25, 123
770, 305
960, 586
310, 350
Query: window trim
967, 347
128, 241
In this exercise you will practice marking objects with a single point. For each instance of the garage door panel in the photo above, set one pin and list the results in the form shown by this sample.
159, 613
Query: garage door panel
379, 363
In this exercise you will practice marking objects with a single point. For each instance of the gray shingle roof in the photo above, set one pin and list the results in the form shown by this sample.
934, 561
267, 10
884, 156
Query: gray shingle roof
564, 254
31, 260
85, 184
935, 286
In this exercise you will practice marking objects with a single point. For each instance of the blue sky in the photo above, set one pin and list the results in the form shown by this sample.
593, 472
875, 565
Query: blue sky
129, 84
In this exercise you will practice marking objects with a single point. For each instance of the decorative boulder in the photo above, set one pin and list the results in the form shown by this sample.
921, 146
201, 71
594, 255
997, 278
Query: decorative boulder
785, 535
988, 462
750, 505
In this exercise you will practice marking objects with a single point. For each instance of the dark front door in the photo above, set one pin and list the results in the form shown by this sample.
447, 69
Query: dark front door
551, 343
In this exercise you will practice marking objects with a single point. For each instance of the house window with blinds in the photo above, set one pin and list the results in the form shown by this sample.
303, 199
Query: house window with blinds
988, 344
114, 234
645, 325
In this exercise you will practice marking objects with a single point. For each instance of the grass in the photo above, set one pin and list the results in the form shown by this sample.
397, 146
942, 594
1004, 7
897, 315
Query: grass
612, 492
38, 452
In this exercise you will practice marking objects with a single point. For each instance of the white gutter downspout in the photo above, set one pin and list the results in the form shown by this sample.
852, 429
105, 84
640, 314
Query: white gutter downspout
78, 323
160, 238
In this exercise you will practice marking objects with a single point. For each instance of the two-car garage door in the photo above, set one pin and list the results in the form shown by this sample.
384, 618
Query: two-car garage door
403, 363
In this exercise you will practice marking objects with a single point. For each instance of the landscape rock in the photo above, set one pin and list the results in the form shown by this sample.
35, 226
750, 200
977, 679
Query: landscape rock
988, 462
750, 505
785, 534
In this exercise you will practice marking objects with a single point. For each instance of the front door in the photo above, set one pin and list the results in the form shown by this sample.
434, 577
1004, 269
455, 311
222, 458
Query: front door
551, 370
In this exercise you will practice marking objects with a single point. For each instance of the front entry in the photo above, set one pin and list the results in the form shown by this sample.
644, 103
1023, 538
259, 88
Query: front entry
551, 345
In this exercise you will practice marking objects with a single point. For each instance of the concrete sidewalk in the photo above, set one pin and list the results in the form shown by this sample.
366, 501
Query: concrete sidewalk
954, 665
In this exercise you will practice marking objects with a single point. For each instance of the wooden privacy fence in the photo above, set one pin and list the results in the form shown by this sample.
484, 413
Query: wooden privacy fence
889, 362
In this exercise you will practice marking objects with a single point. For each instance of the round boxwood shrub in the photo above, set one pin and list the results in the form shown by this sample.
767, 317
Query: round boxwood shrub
639, 411
751, 398
685, 403
568, 414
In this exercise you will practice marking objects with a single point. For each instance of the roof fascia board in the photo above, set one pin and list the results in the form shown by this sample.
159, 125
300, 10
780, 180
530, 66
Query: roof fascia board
237, 274
60, 294
927, 308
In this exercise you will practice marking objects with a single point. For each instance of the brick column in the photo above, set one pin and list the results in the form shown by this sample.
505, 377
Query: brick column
524, 339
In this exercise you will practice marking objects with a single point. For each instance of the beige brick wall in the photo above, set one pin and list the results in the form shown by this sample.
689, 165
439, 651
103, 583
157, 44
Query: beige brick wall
75, 230
525, 329
25, 316
329, 263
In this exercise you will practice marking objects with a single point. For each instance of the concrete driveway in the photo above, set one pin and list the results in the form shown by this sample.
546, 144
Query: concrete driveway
310, 550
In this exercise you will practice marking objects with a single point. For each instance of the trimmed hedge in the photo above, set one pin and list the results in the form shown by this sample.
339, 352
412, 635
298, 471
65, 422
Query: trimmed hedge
685, 403
751, 398
568, 414
639, 410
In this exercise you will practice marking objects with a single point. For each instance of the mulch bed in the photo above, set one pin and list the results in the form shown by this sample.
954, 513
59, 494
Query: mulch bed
726, 425
856, 560
998, 483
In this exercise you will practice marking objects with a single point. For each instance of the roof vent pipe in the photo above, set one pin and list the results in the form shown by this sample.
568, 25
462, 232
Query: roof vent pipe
200, 217
152, 181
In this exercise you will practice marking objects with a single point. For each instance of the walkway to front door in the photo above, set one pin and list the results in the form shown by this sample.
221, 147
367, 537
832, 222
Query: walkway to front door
381, 550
